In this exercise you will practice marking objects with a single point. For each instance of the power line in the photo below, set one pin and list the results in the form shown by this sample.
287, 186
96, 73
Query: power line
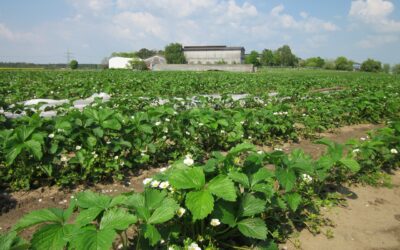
69, 56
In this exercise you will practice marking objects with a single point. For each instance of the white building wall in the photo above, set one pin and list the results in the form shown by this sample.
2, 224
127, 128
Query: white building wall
213, 56
119, 62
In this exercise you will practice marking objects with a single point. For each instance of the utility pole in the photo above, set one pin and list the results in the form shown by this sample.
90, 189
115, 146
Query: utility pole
69, 56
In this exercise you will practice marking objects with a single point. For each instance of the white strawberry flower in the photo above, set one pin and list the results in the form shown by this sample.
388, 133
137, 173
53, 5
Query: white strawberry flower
155, 183
307, 178
188, 160
157, 123
357, 150
215, 222
167, 120
194, 246
394, 151
260, 152
147, 181
64, 158
180, 212
164, 184
51, 136
78, 147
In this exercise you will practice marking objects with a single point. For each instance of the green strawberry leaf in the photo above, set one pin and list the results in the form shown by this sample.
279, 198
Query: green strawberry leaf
221, 186
253, 228
200, 203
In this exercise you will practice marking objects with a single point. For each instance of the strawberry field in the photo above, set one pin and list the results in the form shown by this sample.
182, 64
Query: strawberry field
216, 189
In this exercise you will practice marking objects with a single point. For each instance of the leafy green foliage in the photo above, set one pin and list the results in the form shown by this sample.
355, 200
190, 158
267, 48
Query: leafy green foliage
200, 203
236, 199
174, 54
250, 197
253, 228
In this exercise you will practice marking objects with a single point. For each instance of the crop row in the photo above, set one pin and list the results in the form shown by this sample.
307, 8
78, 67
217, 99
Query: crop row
243, 199
108, 139
25, 85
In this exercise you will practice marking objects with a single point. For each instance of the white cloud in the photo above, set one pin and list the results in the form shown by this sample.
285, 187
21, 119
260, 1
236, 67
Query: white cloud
175, 8
307, 23
6, 33
377, 41
132, 25
13, 36
94, 6
368, 10
375, 13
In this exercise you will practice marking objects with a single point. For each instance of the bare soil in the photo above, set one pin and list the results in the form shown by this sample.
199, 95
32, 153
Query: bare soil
370, 221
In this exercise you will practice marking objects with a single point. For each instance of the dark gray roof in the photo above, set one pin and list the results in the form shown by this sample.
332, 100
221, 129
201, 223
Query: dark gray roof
208, 47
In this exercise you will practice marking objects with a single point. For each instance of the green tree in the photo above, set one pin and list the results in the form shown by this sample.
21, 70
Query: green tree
287, 57
124, 54
277, 58
137, 64
267, 58
315, 62
174, 54
371, 65
145, 53
396, 69
330, 65
73, 64
342, 63
252, 58
386, 68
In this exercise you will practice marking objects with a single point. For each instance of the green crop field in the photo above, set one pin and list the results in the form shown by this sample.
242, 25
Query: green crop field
214, 185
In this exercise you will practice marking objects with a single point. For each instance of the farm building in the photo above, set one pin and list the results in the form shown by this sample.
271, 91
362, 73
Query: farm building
118, 62
213, 54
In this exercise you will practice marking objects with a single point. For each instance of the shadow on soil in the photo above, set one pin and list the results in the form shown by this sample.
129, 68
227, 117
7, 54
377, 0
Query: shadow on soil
6, 203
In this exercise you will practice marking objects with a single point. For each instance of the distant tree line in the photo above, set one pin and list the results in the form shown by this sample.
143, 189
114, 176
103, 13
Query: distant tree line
48, 65
283, 57
173, 53
143, 53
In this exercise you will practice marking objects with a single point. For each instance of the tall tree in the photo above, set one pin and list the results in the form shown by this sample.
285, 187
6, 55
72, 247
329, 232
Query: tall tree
342, 63
124, 54
371, 65
174, 54
73, 64
287, 58
267, 57
252, 58
315, 62
145, 53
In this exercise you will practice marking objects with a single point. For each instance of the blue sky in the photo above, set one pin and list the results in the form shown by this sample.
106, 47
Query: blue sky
42, 31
